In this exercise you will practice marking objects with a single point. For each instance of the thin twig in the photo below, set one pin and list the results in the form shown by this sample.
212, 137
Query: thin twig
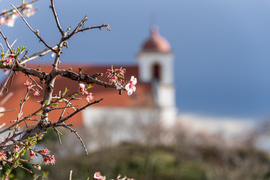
78, 136
67, 103
34, 81
34, 56
58, 133
5, 38
32, 29
76, 29
56, 19
5, 83
69, 116
63, 107
96, 27
8, 111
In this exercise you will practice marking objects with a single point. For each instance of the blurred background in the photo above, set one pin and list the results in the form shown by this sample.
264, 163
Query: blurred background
221, 79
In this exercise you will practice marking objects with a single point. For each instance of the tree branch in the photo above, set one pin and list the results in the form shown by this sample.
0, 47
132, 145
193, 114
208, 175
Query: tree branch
56, 19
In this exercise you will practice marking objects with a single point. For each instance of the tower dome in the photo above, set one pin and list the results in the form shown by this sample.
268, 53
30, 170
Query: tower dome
156, 43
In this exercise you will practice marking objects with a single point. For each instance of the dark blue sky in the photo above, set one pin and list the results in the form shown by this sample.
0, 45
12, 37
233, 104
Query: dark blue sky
222, 48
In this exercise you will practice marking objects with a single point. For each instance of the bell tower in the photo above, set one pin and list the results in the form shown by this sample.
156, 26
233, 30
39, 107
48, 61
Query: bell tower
156, 66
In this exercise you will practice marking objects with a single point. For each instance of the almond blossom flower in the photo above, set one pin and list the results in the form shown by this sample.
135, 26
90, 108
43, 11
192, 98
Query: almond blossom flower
109, 73
52, 159
45, 151
28, 84
15, 14
121, 71
46, 160
32, 154
28, 10
49, 160
98, 176
130, 87
89, 96
2, 156
10, 21
36, 92
82, 88
2, 21
121, 82
16, 147
113, 79
8, 62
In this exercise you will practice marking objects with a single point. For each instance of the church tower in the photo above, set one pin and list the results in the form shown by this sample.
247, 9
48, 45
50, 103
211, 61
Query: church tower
156, 66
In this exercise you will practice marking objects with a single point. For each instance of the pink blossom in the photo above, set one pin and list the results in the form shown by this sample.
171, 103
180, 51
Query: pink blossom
130, 87
113, 79
46, 160
121, 71
38, 167
15, 14
45, 151
10, 22
82, 88
2, 20
52, 159
28, 84
98, 176
8, 62
49, 159
121, 82
16, 147
36, 92
2, 156
32, 154
89, 96
109, 72
28, 10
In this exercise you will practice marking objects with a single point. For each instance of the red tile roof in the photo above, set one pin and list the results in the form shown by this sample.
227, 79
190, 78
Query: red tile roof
142, 96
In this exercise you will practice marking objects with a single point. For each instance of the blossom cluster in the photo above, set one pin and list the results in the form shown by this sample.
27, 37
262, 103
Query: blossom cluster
30, 86
7, 59
47, 159
116, 76
9, 18
83, 90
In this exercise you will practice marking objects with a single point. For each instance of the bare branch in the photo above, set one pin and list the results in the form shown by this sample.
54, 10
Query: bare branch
96, 27
76, 29
37, 34
78, 136
58, 133
34, 81
5, 38
86, 78
69, 116
56, 19
34, 56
